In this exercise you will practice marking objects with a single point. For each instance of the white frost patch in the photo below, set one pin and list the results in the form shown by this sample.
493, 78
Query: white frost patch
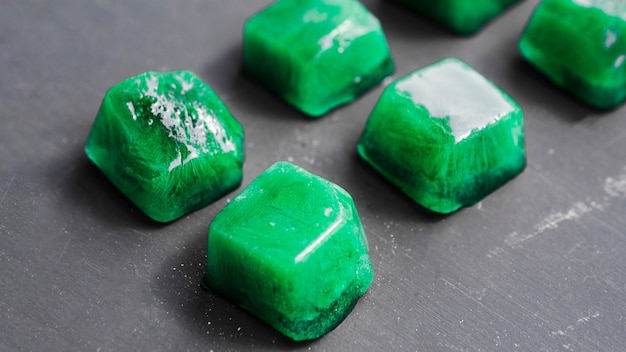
175, 163
610, 39
587, 318
611, 8
342, 35
131, 108
619, 61
314, 16
616, 187
579, 322
192, 132
552, 221
498, 251
185, 86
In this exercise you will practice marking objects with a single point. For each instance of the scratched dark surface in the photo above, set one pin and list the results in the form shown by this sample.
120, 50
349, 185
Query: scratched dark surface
539, 265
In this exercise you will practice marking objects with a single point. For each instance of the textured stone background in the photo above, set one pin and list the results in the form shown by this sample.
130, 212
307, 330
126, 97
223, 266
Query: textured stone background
537, 266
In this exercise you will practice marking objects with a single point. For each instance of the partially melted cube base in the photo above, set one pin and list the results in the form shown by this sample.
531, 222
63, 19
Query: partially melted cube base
581, 47
291, 250
445, 135
167, 142
316, 54
460, 16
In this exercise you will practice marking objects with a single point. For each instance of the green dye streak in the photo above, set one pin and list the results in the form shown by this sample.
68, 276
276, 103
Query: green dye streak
445, 135
291, 250
168, 143
460, 16
581, 46
316, 54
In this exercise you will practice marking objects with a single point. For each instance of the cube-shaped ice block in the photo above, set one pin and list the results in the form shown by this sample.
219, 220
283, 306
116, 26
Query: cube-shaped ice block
291, 250
445, 135
316, 54
167, 142
580, 45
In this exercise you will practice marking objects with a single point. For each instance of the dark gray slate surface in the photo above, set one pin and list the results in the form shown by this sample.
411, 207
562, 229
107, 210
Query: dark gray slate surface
537, 266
